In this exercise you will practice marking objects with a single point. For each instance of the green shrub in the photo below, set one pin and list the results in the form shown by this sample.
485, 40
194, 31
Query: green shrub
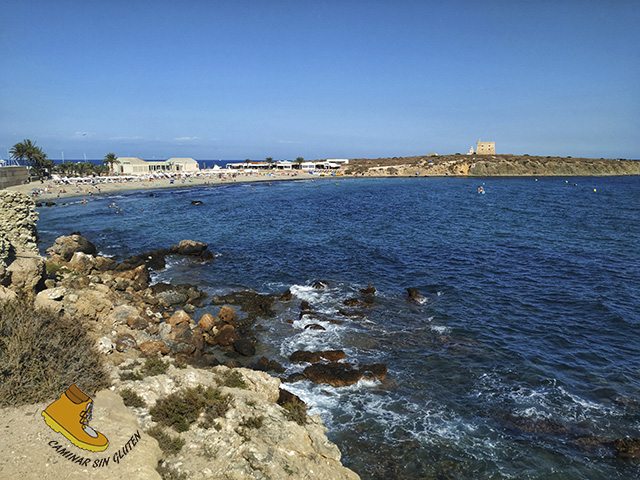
295, 411
42, 353
54, 269
180, 409
170, 445
154, 366
131, 398
247, 425
234, 379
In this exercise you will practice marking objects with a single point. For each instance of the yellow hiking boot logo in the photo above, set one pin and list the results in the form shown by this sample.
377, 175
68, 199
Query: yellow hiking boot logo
70, 415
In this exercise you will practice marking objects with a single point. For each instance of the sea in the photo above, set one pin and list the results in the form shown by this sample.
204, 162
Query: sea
523, 362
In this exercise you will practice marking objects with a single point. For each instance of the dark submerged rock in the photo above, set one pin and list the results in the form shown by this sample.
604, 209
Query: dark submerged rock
415, 296
244, 347
343, 374
628, 448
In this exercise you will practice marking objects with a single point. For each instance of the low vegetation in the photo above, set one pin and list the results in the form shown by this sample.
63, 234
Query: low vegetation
152, 366
180, 409
42, 353
131, 398
296, 411
169, 444
234, 379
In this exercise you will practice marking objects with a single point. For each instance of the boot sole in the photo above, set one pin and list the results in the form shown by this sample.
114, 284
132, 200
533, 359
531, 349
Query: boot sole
56, 427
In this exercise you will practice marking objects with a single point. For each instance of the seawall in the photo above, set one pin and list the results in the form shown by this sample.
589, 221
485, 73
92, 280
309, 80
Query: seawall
14, 175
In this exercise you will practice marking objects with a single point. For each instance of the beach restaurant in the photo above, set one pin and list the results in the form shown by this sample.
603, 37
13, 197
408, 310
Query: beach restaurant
128, 165
332, 163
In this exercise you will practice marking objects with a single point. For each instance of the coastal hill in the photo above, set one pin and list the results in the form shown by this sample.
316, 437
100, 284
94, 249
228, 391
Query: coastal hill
490, 165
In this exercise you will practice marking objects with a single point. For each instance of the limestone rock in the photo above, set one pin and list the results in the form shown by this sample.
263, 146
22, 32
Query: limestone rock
279, 448
92, 304
81, 262
66, 246
125, 342
50, 299
6, 294
26, 272
105, 346
18, 222
190, 247
120, 314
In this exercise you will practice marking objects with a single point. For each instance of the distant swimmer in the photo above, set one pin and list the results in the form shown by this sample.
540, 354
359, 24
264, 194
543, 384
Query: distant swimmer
481, 190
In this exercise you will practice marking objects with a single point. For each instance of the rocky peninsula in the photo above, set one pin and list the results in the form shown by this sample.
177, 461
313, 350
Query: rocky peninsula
490, 166
177, 397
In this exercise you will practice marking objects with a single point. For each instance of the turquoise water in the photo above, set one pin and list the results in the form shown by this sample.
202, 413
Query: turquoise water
527, 351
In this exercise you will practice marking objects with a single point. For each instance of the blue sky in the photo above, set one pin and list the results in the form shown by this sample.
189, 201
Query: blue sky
320, 79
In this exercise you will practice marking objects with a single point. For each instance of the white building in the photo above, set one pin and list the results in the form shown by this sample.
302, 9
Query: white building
135, 165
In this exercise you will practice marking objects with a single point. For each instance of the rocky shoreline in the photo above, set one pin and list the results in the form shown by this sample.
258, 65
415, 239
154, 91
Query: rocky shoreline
152, 350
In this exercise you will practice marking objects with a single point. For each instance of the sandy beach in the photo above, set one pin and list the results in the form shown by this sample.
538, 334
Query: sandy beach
51, 190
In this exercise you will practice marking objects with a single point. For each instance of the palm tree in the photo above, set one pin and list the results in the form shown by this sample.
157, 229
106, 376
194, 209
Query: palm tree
19, 152
299, 161
269, 161
34, 156
111, 159
247, 161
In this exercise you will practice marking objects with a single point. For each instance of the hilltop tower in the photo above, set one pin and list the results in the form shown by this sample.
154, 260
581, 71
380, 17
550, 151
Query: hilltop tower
486, 148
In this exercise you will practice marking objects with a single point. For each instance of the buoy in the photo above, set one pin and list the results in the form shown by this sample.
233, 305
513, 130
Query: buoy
594, 189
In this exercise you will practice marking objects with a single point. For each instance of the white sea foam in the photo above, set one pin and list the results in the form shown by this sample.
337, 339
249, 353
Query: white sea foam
440, 329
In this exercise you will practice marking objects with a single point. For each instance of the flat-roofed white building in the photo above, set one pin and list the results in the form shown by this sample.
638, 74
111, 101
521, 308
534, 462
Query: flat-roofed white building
135, 165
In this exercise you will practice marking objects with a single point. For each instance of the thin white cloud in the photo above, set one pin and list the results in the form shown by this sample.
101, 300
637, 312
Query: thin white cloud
186, 139
120, 139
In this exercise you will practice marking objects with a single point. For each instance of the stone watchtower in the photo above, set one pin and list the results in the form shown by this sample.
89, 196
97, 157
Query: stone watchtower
486, 148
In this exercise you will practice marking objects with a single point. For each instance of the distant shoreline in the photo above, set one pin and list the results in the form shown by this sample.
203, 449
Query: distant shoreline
53, 191
461, 166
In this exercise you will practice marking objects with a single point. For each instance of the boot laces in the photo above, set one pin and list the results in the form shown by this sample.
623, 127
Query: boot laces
85, 417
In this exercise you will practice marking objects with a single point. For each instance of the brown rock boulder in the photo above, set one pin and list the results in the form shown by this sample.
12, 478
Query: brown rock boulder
300, 356
226, 335
185, 334
138, 277
207, 322
333, 355
153, 348
179, 318
227, 315
137, 322
370, 290
266, 365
